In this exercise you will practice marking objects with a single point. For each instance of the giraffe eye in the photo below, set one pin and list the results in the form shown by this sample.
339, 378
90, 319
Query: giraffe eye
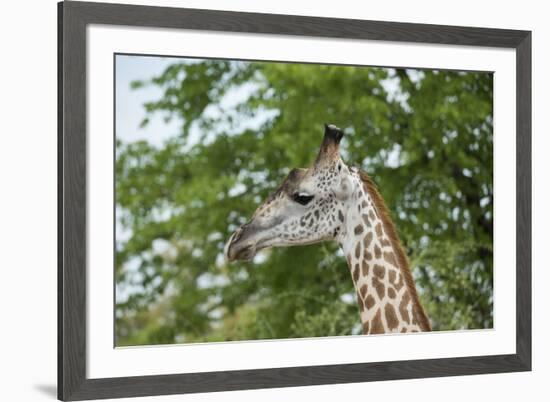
302, 198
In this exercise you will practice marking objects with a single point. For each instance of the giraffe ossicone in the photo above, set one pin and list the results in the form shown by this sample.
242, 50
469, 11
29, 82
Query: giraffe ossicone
331, 201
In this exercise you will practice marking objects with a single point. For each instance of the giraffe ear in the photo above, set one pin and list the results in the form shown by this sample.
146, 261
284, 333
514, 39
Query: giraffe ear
343, 189
331, 143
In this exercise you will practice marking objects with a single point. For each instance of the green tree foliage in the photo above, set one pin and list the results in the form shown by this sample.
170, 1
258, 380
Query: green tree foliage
424, 136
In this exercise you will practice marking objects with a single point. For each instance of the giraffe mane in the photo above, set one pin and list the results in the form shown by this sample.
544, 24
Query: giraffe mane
402, 260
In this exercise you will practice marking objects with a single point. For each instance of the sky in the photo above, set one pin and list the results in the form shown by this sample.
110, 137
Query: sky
129, 102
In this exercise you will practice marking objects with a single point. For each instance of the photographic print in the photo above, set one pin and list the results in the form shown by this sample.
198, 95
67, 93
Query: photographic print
253, 201
261, 200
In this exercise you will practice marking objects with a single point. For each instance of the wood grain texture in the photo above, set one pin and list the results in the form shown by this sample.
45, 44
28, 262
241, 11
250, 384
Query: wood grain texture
523, 200
230, 21
73, 17
60, 220
72, 176
293, 376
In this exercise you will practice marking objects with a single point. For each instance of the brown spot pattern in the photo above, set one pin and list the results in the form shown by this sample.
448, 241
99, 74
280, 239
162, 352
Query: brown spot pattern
391, 317
390, 258
397, 283
403, 308
379, 271
358, 229
365, 268
369, 301
378, 229
377, 251
360, 302
356, 272
376, 324
363, 291
391, 293
367, 240
366, 328
414, 320
379, 286
358, 250
385, 242
366, 220
376, 204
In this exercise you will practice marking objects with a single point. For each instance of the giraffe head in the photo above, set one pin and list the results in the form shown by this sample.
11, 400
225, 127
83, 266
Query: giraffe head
308, 207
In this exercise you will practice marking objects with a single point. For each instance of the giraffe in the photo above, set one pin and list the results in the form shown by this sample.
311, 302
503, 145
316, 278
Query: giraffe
331, 201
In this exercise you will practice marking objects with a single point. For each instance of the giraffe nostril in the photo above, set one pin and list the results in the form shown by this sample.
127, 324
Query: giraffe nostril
235, 237
243, 243
231, 248
228, 245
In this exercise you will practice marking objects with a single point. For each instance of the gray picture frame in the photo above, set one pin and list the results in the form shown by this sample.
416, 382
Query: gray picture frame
73, 18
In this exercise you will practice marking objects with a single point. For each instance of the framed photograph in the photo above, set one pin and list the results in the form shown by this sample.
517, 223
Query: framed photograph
255, 201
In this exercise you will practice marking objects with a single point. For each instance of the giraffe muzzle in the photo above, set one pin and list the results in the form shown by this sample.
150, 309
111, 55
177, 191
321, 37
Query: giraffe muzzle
239, 247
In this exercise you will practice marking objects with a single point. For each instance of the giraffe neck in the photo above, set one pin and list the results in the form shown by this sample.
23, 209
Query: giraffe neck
385, 290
